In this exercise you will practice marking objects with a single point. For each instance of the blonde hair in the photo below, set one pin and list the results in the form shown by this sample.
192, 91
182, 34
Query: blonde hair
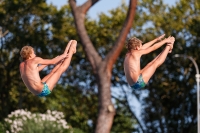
25, 52
133, 43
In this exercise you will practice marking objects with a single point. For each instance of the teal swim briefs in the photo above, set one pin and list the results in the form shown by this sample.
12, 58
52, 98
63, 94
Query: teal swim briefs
139, 84
45, 91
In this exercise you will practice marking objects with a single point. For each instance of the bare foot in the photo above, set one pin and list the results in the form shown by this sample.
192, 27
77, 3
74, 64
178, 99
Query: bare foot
68, 46
171, 43
73, 46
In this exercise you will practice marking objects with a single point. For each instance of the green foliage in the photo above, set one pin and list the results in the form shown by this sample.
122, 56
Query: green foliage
124, 122
31, 126
2, 128
102, 33
75, 130
21, 121
80, 106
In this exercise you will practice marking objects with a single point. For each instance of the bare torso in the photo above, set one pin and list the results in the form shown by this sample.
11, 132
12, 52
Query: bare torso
132, 67
30, 76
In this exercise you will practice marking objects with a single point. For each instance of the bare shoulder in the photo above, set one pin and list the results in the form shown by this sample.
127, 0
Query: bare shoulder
21, 64
128, 54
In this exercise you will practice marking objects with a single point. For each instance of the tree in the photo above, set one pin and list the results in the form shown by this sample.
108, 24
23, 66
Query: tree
102, 67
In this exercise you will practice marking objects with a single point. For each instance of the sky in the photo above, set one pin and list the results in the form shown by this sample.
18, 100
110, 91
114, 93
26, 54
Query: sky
101, 6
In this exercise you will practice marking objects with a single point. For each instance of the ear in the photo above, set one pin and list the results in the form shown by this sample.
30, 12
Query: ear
137, 48
29, 57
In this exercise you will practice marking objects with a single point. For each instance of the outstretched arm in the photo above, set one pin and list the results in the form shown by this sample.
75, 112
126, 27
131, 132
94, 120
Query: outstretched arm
148, 44
156, 46
53, 61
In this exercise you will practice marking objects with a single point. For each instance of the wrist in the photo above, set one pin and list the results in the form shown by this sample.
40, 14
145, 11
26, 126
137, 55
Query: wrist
158, 39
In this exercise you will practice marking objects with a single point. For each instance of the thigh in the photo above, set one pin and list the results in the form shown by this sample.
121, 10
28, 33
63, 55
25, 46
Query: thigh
53, 79
148, 72
52, 72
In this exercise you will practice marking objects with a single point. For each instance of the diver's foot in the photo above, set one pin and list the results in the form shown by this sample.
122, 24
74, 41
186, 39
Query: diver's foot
73, 46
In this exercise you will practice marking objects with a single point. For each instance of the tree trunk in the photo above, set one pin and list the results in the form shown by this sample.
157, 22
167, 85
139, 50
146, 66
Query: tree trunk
106, 108
102, 68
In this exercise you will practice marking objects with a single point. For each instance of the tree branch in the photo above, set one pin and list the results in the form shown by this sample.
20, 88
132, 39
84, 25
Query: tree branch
79, 16
72, 4
118, 46
86, 6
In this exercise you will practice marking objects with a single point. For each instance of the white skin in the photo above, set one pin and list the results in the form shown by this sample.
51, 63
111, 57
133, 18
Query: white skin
132, 60
29, 69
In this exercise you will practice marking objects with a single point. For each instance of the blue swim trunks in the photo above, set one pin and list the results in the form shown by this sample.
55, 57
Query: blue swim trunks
45, 91
139, 84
